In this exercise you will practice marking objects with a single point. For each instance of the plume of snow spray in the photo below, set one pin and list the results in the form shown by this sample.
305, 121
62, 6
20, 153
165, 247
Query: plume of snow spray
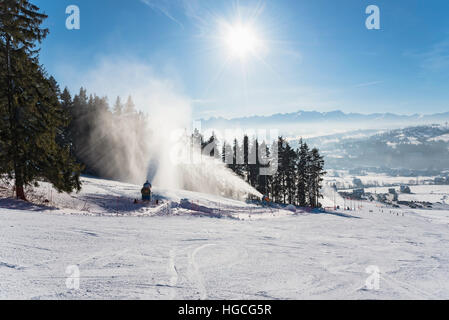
115, 148
149, 151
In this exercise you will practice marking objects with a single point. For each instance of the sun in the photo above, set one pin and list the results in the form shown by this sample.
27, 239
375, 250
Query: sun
242, 40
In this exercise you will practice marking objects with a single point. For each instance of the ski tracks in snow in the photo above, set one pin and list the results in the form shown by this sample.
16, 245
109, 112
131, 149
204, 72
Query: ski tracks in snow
172, 271
194, 271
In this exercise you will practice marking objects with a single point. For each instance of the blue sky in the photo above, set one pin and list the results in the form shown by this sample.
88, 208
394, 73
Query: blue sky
317, 55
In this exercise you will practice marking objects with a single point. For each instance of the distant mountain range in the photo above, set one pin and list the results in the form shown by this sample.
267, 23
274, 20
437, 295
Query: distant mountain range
337, 115
393, 143
302, 122
424, 148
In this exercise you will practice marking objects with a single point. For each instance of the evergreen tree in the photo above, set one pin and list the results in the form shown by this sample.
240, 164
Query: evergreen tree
67, 106
253, 167
278, 179
66, 99
289, 165
299, 172
80, 127
30, 111
237, 165
130, 108
316, 177
196, 143
302, 174
118, 107
245, 164
228, 155
263, 160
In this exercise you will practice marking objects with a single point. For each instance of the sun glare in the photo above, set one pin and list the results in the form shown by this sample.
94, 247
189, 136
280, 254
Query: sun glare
242, 40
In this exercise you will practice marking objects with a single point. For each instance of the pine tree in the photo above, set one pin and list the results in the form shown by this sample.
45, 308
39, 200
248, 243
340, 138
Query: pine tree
316, 177
264, 162
237, 165
196, 142
290, 174
297, 179
118, 107
285, 176
253, 166
67, 106
130, 108
81, 126
66, 99
30, 111
302, 174
277, 186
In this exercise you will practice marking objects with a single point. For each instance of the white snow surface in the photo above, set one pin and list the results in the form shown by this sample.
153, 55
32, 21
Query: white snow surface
128, 251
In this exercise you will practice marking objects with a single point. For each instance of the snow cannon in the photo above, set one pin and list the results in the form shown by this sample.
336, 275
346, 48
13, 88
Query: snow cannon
146, 191
265, 200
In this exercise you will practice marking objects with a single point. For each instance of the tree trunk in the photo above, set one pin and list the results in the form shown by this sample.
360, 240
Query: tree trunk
20, 193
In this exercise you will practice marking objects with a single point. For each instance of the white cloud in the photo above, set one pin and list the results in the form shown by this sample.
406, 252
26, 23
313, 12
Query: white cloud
368, 84
438, 57
435, 59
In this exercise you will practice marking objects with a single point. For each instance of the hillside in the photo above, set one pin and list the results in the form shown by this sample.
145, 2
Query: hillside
124, 251
420, 148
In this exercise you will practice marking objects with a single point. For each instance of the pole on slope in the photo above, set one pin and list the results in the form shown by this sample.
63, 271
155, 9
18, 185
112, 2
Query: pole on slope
335, 203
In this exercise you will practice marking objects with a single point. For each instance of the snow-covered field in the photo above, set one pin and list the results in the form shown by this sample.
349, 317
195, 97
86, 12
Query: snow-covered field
430, 193
345, 180
128, 251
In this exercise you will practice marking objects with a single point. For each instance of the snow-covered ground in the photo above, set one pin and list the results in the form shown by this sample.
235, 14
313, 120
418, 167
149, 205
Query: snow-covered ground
128, 251
430, 193
345, 180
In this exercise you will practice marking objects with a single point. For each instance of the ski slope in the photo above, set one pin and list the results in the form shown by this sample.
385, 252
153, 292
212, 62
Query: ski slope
101, 197
128, 251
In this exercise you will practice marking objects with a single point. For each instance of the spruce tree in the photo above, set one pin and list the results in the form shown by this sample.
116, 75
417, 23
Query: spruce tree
238, 158
253, 164
278, 181
67, 106
264, 161
118, 107
290, 173
245, 165
316, 177
130, 108
302, 174
30, 111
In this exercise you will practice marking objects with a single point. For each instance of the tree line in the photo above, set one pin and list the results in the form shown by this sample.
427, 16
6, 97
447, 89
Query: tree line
280, 172
103, 138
